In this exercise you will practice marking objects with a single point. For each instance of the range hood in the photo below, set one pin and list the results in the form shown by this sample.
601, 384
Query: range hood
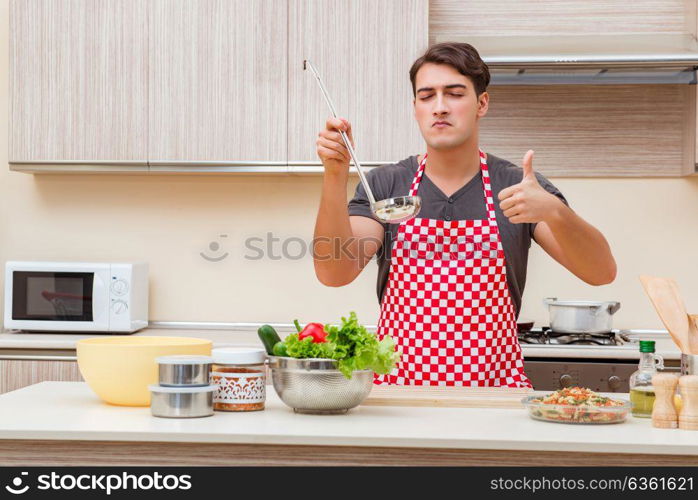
589, 59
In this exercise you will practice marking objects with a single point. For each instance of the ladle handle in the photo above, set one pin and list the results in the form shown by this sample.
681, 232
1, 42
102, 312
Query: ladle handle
347, 142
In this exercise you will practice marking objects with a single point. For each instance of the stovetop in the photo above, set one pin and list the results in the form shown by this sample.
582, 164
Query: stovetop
545, 336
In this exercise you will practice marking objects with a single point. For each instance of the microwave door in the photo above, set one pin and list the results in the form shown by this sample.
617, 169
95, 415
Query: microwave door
58, 300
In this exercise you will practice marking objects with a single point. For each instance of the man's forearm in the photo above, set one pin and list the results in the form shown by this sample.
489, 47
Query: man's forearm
332, 232
587, 253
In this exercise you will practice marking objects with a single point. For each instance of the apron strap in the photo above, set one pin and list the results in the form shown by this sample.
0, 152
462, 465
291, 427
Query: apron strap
418, 176
486, 187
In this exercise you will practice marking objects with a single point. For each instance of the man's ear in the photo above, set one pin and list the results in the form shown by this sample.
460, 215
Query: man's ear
483, 104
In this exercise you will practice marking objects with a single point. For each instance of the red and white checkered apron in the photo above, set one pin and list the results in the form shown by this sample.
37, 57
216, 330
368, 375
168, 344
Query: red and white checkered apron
447, 302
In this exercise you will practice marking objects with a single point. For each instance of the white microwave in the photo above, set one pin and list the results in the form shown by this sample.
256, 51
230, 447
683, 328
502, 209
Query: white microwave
76, 296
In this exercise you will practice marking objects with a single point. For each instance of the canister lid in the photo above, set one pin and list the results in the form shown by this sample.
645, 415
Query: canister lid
182, 389
647, 346
238, 355
184, 359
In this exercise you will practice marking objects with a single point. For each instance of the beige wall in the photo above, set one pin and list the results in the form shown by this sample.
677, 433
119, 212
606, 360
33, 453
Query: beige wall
652, 225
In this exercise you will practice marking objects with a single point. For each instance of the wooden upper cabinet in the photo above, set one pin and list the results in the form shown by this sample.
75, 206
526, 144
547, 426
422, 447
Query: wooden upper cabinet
218, 80
363, 50
157, 83
641, 130
594, 130
484, 19
78, 81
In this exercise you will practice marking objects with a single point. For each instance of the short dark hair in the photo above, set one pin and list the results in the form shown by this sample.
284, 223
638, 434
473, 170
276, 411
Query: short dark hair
462, 56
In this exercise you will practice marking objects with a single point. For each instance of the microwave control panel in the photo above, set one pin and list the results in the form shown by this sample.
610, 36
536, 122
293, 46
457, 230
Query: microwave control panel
119, 289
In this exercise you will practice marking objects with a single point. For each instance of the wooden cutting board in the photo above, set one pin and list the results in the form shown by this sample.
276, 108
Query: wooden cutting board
666, 299
446, 397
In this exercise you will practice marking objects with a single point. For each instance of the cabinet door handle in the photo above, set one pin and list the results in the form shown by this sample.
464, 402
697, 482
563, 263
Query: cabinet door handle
35, 357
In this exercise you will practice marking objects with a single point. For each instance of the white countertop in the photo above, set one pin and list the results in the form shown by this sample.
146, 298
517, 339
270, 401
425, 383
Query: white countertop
220, 338
71, 411
224, 338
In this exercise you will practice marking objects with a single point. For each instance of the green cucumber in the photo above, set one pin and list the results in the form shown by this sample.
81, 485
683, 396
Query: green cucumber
269, 337
280, 349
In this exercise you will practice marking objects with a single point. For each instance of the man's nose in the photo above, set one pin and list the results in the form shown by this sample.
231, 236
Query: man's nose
440, 107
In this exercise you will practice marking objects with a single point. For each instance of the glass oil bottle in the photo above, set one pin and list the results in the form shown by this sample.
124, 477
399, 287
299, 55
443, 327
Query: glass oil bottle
641, 389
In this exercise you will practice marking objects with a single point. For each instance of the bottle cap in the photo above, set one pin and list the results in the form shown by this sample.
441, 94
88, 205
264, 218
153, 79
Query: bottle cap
647, 346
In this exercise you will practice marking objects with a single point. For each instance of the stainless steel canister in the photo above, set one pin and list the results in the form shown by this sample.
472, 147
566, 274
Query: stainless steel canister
184, 370
181, 402
689, 364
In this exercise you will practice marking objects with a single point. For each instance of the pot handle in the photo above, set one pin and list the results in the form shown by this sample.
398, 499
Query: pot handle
549, 300
613, 307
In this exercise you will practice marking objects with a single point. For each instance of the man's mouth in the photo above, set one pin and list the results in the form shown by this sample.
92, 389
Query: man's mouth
441, 124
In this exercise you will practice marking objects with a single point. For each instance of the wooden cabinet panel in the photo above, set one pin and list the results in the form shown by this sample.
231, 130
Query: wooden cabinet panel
363, 50
485, 18
15, 374
594, 130
78, 80
217, 80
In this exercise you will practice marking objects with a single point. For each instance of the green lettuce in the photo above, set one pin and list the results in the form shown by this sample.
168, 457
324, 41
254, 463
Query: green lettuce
354, 348
306, 348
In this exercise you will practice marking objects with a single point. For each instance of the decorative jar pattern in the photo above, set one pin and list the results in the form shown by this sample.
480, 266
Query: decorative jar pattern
239, 389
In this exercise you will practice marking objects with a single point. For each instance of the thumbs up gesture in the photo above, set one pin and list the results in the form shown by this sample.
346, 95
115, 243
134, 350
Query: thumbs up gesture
527, 201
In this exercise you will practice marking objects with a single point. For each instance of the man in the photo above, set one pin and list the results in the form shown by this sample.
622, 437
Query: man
450, 280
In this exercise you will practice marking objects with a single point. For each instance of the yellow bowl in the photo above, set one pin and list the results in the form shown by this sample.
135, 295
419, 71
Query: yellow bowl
120, 368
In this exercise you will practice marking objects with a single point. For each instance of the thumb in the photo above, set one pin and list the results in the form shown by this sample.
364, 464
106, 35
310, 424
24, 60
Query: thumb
528, 166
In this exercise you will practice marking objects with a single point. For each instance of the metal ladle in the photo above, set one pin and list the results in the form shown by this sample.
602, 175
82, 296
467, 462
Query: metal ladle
392, 210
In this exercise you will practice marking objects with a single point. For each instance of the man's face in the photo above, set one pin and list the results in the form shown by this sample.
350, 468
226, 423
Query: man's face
447, 107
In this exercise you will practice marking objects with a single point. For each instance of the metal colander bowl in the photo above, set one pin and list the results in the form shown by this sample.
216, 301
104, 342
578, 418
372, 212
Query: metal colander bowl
317, 386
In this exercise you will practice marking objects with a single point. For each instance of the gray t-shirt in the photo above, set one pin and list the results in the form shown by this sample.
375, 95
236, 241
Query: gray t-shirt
468, 202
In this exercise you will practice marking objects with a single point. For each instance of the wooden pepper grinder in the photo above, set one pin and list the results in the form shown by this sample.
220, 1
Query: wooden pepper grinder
664, 412
688, 418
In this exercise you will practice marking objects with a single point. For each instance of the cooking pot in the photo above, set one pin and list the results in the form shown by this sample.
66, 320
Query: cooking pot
580, 316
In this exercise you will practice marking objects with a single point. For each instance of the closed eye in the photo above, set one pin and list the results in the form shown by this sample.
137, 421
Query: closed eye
452, 94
